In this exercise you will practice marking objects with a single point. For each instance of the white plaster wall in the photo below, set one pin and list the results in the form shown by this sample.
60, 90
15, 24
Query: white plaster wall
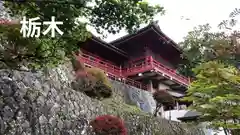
174, 114
179, 113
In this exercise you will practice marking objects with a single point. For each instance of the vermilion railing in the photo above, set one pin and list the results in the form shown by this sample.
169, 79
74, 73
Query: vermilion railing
148, 63
135, 83
137, 66
113, 72
134, 67
96, 62
171, 73
96, 56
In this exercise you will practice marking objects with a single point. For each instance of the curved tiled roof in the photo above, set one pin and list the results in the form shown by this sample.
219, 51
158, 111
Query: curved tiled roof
153, 26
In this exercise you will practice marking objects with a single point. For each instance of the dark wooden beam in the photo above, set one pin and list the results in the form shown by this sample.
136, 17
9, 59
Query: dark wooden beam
180, 89
175, 85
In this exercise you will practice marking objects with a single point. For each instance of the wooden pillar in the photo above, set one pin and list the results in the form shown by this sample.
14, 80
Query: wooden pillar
151, 61
177, 105
146, 60
162, 111
150, 86
170, 117
120, 70
189, 79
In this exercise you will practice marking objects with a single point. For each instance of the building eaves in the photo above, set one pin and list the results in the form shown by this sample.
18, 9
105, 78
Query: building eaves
109, 46
153, 26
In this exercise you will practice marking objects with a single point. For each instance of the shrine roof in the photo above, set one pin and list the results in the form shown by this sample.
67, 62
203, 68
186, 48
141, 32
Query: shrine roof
107, 45
151, 27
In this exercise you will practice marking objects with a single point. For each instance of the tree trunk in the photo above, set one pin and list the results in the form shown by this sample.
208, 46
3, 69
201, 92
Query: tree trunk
158, 106
155, 112
225, 131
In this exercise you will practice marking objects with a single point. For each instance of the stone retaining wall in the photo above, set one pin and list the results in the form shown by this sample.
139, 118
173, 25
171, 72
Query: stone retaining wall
44, 104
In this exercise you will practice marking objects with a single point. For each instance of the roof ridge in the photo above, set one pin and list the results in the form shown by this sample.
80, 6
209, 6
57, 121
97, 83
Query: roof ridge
153, 23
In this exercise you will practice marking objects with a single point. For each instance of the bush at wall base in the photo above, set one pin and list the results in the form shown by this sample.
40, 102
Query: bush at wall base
93, 82
108, 125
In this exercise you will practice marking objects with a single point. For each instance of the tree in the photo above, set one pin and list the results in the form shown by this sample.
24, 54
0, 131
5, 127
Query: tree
212, 59
110, 15
216, 94
202, 45
162, 97
232, 25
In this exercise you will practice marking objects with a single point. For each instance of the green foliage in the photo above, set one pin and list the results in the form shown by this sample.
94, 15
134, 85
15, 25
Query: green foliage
216, 83
31, 52
110, 15
232, 25
101, 87
10, 52
216, 94
98, 76
201, 45
77, 65
113, 15
119, 106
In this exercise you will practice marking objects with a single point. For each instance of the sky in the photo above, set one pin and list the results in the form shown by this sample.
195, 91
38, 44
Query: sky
197, 11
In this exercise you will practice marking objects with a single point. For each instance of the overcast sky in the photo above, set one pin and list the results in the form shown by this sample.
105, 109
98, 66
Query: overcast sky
198, 11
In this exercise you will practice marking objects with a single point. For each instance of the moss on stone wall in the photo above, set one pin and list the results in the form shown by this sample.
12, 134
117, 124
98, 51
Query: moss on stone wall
118, 107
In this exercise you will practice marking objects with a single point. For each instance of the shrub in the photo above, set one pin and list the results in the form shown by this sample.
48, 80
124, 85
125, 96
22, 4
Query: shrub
93, 82
98, 75
163, 97
108, 125
77, 65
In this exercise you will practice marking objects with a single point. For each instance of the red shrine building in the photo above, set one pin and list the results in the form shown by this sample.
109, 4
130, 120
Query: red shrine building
146, 59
